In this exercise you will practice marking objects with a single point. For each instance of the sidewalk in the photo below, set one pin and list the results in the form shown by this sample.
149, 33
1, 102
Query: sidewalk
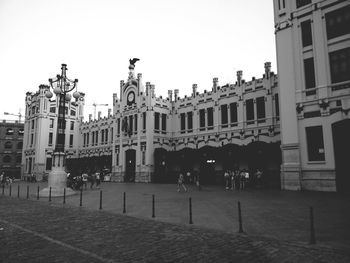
33, 231
283, 215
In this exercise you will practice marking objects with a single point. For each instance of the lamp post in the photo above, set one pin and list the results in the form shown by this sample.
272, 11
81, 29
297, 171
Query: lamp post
57, 179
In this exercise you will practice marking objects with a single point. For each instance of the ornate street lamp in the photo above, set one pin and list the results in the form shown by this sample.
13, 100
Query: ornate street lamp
57, 179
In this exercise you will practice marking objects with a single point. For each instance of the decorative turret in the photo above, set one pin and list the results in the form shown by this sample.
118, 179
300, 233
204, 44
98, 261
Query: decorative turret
194, 90
148, 88
170, 95
267, 69
215, 84
176, 92
152, 90
239, 77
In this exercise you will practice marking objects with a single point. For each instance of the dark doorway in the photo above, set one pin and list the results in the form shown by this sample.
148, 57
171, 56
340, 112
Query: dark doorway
208, 159
130, 159
341, 142
160, 166
30, 165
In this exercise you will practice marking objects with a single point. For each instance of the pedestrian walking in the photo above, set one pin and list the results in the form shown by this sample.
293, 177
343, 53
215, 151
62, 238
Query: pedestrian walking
233, 179
227, 178
98, 180
180, 183
85, 179
92, 180
242, 179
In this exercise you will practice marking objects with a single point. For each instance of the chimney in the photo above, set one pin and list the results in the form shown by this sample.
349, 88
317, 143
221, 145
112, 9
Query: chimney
99, 115
176, 92
215, 84
267, 69
90, 117
194, 90
239, 77
170, 95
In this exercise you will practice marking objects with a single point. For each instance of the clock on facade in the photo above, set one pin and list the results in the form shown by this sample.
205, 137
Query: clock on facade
131, 98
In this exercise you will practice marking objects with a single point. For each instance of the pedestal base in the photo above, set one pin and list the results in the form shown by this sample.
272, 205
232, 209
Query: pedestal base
56, 192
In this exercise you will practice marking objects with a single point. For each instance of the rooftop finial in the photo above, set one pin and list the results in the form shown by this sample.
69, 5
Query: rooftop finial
132, 63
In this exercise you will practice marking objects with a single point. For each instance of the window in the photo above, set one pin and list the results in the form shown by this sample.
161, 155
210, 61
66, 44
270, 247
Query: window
224, 116
190, 121
301, 3
163, 122
72, 125
337, 22
117, 158
19, 145
156, 120
9, 131
143, 157
8, 145
260, 109
84, 144
31, 139
315, 148
32, 124
306, 33
309, 72
102, 136
277, 107
340, 65
96, 137
18, 158
131, 124
182, 122
48, 164
106, 136
87, 138
118, 127
52, 109
135, 118
210, 118
233, 112
144, 120
93, 138
202, 119
6, 159
249, 105
71, 140
51, 123
72, 112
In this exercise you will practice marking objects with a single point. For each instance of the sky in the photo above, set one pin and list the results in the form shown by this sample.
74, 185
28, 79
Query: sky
178, 42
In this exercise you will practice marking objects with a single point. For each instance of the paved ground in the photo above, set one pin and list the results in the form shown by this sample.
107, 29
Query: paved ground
276, 225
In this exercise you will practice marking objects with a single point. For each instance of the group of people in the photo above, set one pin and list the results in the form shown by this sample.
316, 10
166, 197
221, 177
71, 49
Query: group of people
81, 181
238, 179
5, 180
189, 179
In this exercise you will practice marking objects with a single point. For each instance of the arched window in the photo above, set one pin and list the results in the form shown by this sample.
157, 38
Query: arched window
20, 145
8, 145
6, 159
18, 158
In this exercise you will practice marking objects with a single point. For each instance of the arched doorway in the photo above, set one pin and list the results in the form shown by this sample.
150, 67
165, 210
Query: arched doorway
208, 158
160, 166
130, 164
341, 142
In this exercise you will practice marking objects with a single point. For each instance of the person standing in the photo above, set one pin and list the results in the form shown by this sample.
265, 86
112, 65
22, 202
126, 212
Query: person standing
92, 180
180, 183
85, 179
98, 180
242, 178
227, 178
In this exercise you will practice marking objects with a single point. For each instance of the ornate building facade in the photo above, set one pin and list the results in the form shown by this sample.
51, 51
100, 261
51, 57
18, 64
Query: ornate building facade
313, 59
151, 139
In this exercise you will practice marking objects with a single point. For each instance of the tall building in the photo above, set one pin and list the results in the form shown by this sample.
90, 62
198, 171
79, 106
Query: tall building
152, 139
11, 143
313, 61
40, 131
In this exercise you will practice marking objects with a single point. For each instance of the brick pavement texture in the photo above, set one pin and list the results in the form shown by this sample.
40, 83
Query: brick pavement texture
33, 231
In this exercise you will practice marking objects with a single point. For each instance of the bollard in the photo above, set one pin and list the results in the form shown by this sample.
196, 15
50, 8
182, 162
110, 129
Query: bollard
10, 190
190, 200
37, 195
3, 189
240, 218
124, 205
100, 199
312, 229
64, 195
17, 191
153, 209
50, 195
81, 197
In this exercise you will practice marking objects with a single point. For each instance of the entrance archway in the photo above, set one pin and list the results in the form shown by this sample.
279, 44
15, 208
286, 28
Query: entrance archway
130, 160
341, 142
